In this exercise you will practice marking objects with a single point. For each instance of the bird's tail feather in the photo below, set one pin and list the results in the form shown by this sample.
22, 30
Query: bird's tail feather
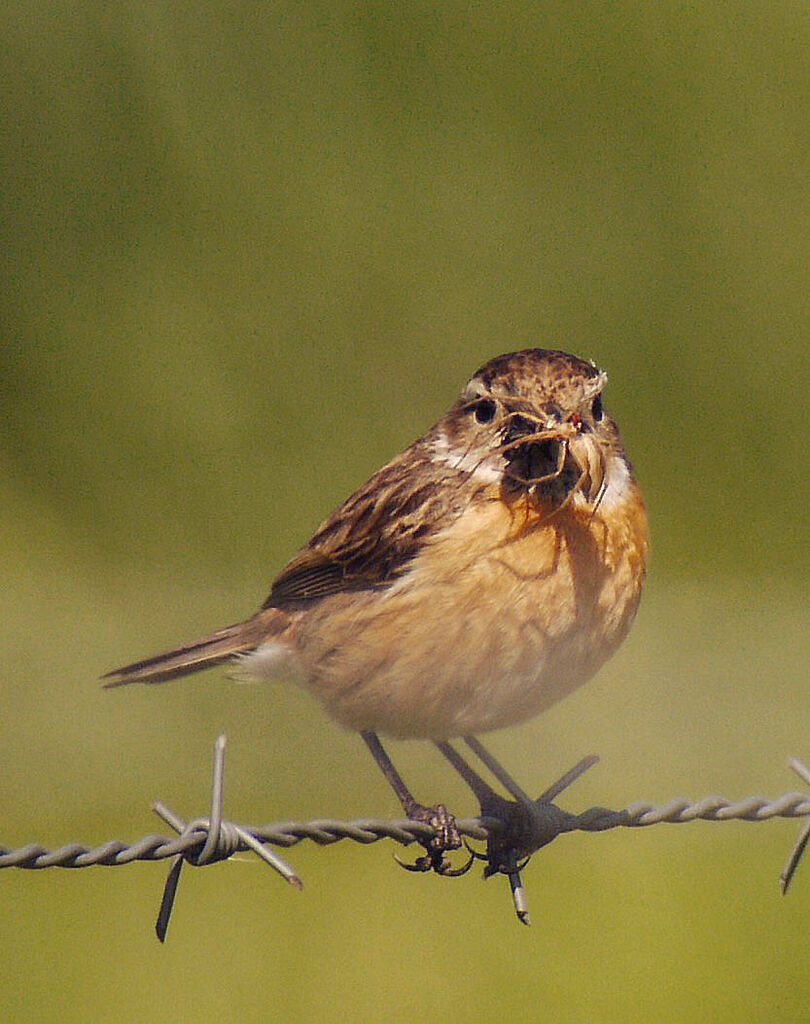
202, 654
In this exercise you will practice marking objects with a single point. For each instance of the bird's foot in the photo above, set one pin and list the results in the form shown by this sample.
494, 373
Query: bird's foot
445, 840
526, 827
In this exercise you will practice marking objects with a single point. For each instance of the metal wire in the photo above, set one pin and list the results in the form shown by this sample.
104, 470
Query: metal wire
207, 840
326, 831
152, 848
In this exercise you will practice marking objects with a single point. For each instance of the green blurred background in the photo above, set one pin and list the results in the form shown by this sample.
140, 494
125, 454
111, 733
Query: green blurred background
249, 252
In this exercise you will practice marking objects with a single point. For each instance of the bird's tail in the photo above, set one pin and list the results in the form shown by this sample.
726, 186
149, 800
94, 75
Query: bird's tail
202, 654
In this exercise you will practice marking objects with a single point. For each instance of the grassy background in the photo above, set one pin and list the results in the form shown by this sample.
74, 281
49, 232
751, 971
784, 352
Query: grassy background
249, 252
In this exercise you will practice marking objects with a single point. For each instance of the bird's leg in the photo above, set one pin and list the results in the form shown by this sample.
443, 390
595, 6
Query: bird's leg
498, 770
526, 824
446, 836
501, 856
514, 814
489, 800
492, 803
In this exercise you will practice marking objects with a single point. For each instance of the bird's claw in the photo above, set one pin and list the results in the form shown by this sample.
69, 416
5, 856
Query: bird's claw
439, 864
420, 864
445, 839
498, 861
502, 864
475, 854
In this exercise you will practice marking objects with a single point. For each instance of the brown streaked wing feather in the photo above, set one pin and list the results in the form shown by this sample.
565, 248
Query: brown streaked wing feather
310, 576
371, 539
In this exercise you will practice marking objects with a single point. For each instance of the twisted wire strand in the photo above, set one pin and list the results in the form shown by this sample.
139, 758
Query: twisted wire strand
325, 832
510, 839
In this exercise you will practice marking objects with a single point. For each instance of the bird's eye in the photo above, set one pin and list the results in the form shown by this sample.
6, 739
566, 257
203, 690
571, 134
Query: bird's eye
485, 410
596, 409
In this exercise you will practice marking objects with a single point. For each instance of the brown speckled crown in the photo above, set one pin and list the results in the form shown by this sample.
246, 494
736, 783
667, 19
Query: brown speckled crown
525, 370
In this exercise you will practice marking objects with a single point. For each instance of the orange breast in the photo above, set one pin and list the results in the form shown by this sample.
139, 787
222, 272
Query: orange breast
503, 614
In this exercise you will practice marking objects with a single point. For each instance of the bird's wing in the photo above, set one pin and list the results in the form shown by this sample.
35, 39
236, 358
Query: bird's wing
373, 537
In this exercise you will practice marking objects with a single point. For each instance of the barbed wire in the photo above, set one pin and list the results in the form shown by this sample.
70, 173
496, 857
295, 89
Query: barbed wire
513, 833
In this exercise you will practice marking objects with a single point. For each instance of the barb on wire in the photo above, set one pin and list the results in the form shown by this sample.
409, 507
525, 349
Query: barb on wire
221, 840
801, 843
512, 829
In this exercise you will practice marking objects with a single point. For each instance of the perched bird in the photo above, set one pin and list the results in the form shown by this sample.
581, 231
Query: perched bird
481, 575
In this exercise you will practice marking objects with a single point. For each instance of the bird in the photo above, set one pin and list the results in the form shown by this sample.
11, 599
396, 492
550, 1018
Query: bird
481, 575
